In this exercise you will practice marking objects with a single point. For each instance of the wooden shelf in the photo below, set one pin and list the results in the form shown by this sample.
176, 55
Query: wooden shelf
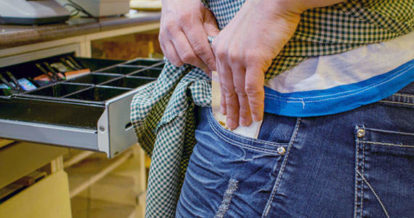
102, 187
87, 172
77, 157
91, 208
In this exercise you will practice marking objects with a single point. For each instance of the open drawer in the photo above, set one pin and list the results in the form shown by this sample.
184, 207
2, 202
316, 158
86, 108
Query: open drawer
90, 111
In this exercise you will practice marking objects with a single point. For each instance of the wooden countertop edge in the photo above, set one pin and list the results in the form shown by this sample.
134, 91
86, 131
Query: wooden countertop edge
26, 35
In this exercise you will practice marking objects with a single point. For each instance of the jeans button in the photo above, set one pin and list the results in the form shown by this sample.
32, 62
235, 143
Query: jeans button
360, 133
281, 150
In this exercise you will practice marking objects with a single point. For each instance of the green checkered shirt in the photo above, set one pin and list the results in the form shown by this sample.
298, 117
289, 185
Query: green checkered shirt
163, 111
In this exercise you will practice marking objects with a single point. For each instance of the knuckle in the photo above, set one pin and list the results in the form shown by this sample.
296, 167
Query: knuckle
184, 18
188, 57
240, 91
253, 89
232, 106
229, 93
169, 28
253, 56
176, 62
199, 49
234, 57
221, 53
244, 110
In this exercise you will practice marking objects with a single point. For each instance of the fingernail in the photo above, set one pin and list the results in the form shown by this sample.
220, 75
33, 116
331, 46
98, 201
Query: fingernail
231, 124
257, 118
222, 111
244, 122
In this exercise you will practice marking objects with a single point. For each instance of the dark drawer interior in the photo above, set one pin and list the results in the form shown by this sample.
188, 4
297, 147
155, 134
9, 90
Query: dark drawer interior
65, 98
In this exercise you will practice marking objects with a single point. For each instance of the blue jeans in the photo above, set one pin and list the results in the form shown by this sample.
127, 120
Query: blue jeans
354, 164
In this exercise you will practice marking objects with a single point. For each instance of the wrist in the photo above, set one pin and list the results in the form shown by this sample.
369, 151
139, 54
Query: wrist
277, 7
294, 6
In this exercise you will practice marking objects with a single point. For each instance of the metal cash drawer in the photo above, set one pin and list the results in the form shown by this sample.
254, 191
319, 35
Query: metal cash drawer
87, 112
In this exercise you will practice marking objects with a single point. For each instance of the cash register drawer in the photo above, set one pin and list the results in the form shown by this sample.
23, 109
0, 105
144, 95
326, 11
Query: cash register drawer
86, 112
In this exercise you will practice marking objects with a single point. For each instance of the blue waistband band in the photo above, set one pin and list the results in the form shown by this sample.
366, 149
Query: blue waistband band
340, 98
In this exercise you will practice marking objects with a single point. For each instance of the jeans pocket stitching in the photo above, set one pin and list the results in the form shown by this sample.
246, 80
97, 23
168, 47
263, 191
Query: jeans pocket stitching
222, 129
359, 189
388, 144
389, 131
404, 95
359, 185
219, 131
236, 143
396, 102
282, 169
375, 193
360, 179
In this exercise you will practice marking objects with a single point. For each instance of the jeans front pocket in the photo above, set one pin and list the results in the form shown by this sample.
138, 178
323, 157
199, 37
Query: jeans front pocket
384, 173
228, 175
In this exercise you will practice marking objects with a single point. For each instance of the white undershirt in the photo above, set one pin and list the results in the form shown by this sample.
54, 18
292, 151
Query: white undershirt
357, 65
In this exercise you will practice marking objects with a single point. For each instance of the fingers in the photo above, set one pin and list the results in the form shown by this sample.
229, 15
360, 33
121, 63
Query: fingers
229, 95
171, 53
222, 101
242, 87
186, 53
239, 74
254, 87
197, 38
183, 34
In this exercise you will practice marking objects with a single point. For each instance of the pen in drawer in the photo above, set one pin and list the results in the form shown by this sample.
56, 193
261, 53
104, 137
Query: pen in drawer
14, 80
45, 72
56, 74
74, 62
6, 82
69, 63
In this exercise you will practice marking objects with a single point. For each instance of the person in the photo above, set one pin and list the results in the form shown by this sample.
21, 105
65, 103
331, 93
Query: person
331, 82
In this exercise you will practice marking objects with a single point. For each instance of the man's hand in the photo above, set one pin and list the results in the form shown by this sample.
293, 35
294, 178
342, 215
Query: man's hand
244, 50
185, 25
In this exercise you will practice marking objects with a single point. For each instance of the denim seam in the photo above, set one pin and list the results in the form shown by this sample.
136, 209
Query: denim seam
390, 131
396, 102
389, 144
359, 164
356, 178
282, 168
359, 187
396, 75
363, 171
404, 95
375, 194
239, 144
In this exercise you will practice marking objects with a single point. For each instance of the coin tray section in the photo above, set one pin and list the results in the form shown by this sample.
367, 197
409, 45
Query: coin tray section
59, 90
147, 62
152, 72
94, 78
98, 93
121, 70
129, 82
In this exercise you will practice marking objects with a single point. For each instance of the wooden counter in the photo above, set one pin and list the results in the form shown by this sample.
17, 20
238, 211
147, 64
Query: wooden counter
17, 35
